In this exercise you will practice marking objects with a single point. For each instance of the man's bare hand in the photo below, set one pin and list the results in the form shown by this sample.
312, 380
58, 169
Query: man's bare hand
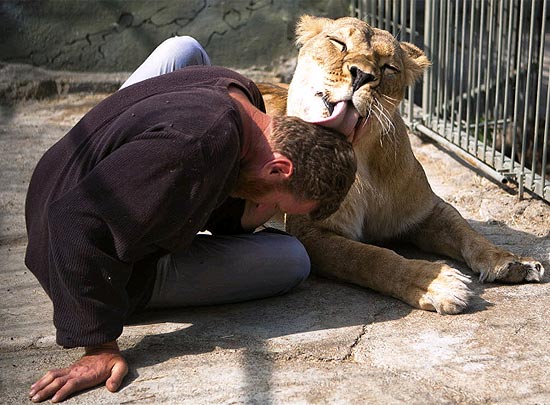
99, 364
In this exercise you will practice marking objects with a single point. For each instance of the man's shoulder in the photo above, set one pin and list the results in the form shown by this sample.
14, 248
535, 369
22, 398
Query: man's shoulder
208, 73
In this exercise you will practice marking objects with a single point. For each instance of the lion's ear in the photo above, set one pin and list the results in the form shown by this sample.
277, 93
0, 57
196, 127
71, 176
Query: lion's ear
414, 61
308, 26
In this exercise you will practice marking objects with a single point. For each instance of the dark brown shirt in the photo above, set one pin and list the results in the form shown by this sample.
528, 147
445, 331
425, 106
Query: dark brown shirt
137, 177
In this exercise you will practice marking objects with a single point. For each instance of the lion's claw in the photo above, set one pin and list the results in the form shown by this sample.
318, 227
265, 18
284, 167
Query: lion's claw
515, 271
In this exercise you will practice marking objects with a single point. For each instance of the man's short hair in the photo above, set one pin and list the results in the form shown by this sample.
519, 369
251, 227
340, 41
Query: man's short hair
324, 162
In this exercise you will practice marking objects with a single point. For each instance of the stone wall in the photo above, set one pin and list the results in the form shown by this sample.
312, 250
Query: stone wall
117, 35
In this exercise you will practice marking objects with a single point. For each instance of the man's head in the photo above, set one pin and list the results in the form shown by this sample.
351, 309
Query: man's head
323, 163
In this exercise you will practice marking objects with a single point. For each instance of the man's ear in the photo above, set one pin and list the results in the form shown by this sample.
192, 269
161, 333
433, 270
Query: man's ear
280, 166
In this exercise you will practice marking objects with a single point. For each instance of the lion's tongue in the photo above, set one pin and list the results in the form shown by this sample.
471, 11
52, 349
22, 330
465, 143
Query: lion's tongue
343, 119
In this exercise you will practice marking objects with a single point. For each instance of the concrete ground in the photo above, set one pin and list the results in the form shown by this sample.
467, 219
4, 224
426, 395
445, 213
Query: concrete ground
325, 342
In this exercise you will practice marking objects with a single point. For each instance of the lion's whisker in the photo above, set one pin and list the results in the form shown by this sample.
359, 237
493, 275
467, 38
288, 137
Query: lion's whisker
382, 114
391, 99
388, 129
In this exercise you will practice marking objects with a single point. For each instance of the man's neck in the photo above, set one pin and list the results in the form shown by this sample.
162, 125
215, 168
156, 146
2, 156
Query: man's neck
255, 151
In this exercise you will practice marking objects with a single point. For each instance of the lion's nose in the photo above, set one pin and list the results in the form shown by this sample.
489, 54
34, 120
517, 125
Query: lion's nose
360, 78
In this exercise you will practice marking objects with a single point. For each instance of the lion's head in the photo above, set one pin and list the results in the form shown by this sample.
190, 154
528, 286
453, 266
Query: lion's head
348, 60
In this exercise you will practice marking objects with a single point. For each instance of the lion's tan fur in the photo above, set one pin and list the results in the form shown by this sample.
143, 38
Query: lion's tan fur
391, 198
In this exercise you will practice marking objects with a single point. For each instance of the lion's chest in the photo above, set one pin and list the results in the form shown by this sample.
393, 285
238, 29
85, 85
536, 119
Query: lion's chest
373, 210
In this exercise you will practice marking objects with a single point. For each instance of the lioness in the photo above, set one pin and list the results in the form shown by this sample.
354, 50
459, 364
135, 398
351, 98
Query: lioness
352, 76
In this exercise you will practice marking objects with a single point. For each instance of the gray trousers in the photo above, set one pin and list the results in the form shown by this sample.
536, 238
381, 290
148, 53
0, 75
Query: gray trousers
219, 269
227, 269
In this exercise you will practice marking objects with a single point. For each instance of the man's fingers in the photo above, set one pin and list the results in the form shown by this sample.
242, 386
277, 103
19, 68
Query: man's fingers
67, 389
44, 381
119, 371
50, 389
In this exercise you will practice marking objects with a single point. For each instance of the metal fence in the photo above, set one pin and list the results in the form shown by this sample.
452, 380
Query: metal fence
487, 95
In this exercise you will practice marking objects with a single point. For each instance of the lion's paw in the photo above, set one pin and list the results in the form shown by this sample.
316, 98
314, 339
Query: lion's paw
448, 293
515, 270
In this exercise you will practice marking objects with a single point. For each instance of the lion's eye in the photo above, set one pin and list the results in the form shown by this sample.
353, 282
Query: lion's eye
391, 68
341, 46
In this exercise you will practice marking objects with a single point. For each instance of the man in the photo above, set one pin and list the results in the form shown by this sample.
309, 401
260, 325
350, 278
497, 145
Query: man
113, 209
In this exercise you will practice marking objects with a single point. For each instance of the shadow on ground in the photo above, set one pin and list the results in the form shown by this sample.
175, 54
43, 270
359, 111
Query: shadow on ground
318, 306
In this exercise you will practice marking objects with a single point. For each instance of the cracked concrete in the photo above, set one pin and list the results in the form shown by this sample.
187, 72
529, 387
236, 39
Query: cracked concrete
323, 343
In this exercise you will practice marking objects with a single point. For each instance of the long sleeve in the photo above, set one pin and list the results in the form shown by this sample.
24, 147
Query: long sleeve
147, 195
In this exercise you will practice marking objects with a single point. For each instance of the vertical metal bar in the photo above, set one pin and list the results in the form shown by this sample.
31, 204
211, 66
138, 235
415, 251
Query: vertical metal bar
403, 26
356, 9
373, 13
412, 39
427, 73
479, 73
539, 91
497, 82
387, 16
428, 34
436, 84
470, 75
401, 37
444, 34
509, 62
454, 69
461, 81
516, 96
371, 10
527, 94
545, 145
447, 76
395, 18
488, 71
367, 4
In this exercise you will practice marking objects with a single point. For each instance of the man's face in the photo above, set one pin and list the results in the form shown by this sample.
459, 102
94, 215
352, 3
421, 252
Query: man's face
272, 194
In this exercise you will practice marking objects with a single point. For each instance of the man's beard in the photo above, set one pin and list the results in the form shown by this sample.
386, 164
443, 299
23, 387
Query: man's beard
251, 188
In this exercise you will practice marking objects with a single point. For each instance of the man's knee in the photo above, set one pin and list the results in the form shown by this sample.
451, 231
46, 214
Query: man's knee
184, 50
174, 44
288, 259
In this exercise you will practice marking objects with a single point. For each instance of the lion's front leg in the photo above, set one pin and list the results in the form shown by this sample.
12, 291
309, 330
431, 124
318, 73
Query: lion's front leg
446, 232
421, 284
